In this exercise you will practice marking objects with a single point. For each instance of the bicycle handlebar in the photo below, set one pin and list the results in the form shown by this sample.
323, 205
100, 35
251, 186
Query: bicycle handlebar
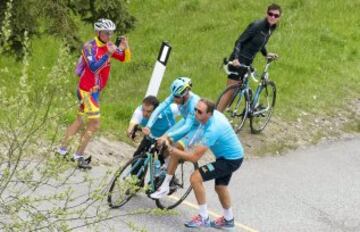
134, 130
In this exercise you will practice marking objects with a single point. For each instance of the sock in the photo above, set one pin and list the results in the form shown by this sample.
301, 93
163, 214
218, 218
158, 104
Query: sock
203, 211
166, 161
166, 181
62, 150
228, 214
77, 155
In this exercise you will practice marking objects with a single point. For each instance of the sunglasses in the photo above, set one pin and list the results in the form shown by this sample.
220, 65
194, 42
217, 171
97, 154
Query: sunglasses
198, 111
108, 33
181, 94
273, 15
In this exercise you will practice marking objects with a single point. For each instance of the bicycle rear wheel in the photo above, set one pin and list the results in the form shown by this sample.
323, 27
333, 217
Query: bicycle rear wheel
263, 107
126, 182
238, 108
180, 186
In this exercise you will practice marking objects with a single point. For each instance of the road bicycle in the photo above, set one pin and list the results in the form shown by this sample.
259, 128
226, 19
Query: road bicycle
141, 173
243, 104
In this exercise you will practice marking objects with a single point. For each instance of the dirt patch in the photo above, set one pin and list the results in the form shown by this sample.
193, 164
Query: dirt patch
278, 138
308, 129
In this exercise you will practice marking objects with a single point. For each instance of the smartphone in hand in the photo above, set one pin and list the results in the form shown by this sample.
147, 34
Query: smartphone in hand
118, 40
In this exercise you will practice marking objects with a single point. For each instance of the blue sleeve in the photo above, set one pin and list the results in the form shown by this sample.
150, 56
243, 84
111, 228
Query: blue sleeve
89, 56
158, 110
180, 132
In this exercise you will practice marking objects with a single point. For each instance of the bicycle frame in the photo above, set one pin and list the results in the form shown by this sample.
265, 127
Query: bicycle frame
244, 89
147, 164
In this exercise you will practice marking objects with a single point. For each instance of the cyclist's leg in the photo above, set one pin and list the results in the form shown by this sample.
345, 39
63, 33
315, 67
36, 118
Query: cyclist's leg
74, 127
164, 188
91, 109
205, 173
185, 143
71, 131
221, 183
224, 101
92, 126
232, 79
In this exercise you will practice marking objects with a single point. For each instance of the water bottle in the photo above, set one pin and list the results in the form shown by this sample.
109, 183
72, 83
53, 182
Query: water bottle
157, 165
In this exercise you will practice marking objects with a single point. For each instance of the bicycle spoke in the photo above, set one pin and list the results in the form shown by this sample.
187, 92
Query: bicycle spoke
126, 182
180, 186
263, 108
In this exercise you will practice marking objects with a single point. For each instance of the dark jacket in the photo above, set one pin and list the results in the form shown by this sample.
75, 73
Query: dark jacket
252, 40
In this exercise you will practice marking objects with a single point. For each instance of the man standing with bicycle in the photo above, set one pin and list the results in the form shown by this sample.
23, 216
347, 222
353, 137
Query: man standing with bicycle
250, 42
93, 69
215, 133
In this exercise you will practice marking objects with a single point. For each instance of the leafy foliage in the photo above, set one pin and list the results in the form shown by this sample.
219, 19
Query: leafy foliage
58, 18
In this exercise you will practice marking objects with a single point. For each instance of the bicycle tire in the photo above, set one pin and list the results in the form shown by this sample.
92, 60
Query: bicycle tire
126, 184
183, 171
263, 108
238, 109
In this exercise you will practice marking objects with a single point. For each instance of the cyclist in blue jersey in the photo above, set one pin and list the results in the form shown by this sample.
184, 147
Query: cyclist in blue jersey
186, 100
141, 115
214, 132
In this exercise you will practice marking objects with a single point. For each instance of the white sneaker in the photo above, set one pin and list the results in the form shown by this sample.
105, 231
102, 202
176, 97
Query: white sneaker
161, 192
62, 151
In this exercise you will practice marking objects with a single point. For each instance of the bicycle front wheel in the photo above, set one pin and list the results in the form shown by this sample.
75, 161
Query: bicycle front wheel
126, 182
238, 107
263, 107
180, 186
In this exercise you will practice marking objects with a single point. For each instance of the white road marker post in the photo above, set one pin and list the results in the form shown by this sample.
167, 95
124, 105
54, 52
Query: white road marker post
159, 69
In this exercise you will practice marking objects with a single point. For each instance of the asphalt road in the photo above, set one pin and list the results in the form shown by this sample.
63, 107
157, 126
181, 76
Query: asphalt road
313, 189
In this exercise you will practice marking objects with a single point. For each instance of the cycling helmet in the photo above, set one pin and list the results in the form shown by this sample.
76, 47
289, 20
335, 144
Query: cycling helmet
180, 85
186, 80
104, 25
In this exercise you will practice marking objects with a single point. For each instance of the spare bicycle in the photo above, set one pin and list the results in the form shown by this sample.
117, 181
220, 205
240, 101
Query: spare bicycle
244, 104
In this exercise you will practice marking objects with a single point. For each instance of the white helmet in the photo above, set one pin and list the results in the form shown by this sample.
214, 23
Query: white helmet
104, 25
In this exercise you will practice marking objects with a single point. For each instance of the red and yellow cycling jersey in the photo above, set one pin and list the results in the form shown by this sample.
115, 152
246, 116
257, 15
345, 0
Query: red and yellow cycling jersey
97, 69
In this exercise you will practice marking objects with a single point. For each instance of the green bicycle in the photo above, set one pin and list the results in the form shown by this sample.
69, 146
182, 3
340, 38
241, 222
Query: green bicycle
141, 173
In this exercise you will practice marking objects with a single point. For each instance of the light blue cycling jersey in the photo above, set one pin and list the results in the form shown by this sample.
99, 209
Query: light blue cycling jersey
165, 120
218, 135
187, 110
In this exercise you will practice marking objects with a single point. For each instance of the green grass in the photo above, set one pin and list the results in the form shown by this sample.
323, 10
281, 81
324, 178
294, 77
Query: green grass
317, 42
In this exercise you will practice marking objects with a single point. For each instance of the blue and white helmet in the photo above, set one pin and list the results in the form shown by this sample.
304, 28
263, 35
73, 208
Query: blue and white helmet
180, 85
104, 25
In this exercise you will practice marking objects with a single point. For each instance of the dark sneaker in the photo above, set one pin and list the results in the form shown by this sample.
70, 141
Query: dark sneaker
87, 159
174, 183
82, 163
222, 223
197, 221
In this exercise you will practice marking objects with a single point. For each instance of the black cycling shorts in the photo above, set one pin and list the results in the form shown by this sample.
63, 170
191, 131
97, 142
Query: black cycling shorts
221, 170
240, 70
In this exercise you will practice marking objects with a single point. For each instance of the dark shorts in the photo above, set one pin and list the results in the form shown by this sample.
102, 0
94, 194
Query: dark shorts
241, 73
240, 70
221, 170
